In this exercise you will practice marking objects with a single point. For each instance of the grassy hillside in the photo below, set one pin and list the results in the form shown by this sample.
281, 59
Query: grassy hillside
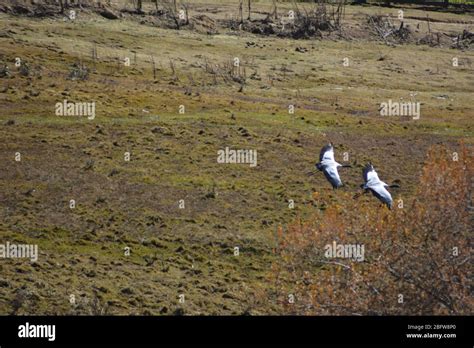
173, 156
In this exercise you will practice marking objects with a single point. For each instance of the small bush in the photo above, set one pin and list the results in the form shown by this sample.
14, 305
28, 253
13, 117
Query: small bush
78, 71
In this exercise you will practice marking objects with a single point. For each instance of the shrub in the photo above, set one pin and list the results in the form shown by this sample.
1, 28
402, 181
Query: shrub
78, 71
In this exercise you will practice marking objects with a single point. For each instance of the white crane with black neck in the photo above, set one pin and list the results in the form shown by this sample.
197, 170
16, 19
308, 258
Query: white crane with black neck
373, 184
328, 165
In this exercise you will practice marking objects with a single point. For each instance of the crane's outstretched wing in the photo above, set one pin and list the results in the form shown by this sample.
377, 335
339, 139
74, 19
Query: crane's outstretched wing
370, 175
368, 167
327, 153
331, 173
382, 194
